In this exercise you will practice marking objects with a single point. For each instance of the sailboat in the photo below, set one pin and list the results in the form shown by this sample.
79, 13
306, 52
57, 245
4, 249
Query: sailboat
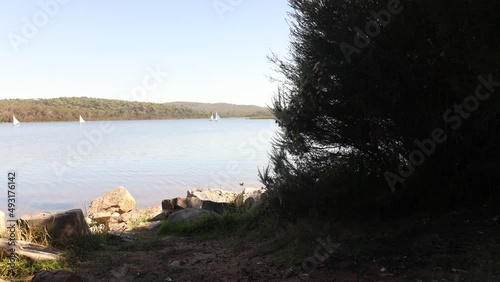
82, 121
212, 117
15, 122
217, 117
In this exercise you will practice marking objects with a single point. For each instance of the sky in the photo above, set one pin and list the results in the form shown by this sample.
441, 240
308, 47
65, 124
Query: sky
148, 50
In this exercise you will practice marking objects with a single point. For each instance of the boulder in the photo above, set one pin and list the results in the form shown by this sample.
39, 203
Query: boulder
126, 221
218, 208
186, 215
63, 226
168, 205
255, 193
139, 214
252, 197
118, 200
3, 224
214, 200
59, 275
99, 217
159, 217
190, 202
171, 205
214, 195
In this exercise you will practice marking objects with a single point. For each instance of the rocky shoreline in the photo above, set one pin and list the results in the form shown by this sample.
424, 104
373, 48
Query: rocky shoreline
115, 213
133, 250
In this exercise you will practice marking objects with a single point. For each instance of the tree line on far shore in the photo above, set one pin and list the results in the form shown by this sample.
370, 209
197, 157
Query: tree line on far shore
68, 109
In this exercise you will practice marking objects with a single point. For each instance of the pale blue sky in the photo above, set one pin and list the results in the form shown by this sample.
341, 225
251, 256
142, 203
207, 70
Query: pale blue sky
103, 48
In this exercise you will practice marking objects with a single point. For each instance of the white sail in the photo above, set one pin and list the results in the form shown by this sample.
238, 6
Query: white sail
217, 117
15, 122
212, 117
82, 121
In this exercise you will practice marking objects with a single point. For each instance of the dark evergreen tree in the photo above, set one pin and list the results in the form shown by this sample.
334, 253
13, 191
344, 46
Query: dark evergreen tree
366, 85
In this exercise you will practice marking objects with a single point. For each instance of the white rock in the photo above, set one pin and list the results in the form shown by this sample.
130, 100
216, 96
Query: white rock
255, 193
214, 195
117, 200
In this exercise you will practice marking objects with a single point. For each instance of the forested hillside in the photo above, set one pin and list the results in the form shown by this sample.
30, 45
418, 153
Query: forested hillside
227, 110
68, 109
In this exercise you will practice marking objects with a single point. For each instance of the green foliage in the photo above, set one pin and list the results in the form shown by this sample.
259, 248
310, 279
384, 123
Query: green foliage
229, 222
201, 225
346, 122
85, 248
34, 234
68, 109
227, 110
136, 223
27, 267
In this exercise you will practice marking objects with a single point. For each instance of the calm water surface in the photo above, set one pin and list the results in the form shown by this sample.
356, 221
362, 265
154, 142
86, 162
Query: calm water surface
65, 165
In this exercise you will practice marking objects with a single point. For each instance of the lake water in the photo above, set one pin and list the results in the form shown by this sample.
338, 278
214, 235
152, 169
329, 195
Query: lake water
64, 165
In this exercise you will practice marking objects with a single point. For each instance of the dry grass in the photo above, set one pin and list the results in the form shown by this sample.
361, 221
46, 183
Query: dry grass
33, 234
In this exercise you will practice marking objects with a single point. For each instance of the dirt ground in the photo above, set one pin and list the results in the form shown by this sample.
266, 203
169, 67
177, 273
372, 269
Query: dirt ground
173, 258
452, 247
185, 259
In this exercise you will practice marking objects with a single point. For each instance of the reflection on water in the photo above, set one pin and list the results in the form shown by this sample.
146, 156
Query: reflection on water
65, 165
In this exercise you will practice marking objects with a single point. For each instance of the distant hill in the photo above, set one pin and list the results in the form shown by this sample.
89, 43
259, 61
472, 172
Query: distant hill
226, 110
68, 109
